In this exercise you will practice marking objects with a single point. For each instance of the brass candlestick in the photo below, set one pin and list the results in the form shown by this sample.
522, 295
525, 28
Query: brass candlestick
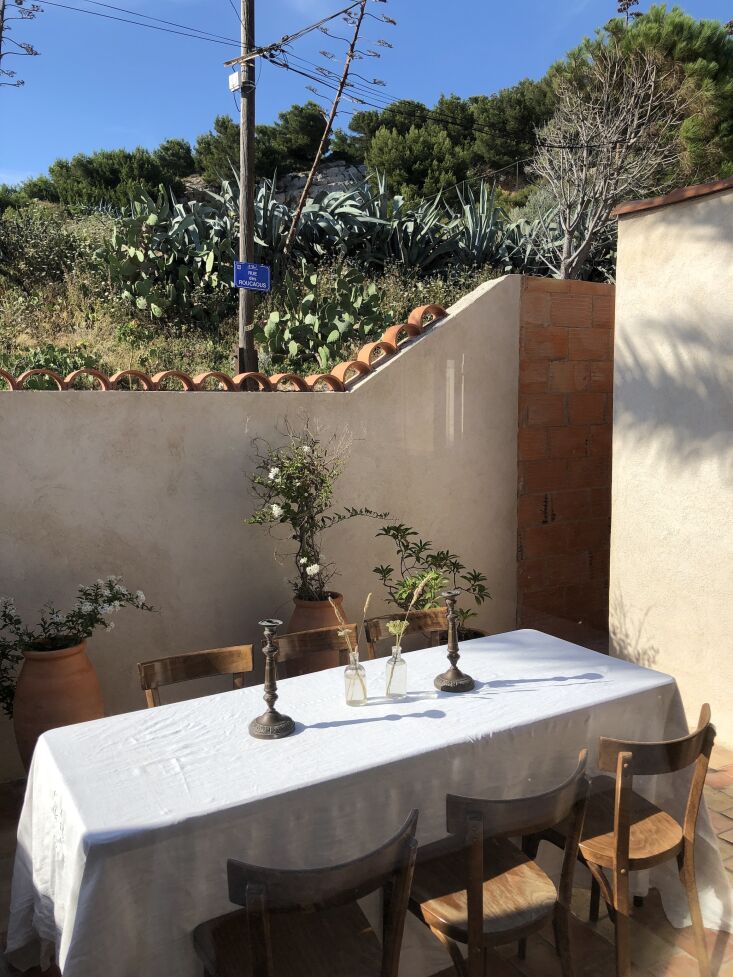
453, 680
271, 725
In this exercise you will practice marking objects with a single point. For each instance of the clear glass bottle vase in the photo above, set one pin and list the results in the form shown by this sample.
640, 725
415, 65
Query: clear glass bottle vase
395, 685
355, 681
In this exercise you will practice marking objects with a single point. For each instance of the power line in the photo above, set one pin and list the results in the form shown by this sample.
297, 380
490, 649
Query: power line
360, 93
152, 27
159, 20
236, 12
288, 38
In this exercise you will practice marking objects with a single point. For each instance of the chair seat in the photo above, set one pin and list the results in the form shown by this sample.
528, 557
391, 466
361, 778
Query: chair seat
318, 944
654, 836
518, 895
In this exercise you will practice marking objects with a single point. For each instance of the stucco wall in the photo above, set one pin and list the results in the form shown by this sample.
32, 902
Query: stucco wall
153, 486
672, 526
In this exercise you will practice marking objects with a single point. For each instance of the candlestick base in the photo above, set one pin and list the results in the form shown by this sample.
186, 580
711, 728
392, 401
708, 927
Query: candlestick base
453, 681
271, 726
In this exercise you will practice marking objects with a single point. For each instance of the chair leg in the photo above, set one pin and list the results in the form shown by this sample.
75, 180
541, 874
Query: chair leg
687, 874
459, 964
561, 925
595, 901
522, 949
622, 926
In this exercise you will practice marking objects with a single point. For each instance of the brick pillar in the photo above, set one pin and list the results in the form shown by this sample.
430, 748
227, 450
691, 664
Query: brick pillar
564, 454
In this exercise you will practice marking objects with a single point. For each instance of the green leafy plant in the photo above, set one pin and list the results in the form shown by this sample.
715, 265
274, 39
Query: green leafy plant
425, 571
47, 356
294, 484
337, 311
165, 253
56, 630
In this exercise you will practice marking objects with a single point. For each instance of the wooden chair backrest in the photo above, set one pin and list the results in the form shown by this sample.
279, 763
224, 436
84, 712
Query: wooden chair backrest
431, 622
627, 759
665, 756
266, 890
476, 820
312, 651
234, 661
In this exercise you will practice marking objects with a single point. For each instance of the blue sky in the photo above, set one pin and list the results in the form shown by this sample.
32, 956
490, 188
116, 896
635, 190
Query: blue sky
101, 84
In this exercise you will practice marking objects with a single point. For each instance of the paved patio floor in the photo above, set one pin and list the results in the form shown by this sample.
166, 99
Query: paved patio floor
658, 950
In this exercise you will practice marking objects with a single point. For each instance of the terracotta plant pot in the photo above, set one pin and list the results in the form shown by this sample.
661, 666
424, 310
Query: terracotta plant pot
55, 688
310, 615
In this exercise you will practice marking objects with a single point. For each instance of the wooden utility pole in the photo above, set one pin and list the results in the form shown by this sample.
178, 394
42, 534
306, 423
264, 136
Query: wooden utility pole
327, 131
247, 354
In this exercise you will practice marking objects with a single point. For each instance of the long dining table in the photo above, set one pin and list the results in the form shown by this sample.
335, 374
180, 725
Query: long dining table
128, 821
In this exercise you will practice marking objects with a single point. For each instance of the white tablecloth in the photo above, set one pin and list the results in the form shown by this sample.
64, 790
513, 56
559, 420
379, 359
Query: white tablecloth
128, 821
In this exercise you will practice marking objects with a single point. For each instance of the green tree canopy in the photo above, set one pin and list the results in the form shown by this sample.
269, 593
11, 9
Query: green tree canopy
704, 50
288, 145
419, 163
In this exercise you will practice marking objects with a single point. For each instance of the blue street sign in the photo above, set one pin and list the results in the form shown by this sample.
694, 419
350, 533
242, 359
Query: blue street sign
254, 277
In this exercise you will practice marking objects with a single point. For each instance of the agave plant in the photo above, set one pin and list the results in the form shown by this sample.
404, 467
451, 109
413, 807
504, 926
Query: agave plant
479, 228
164, 249
164, 254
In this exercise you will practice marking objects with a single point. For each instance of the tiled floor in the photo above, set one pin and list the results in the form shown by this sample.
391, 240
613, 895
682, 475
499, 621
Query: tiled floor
658, 950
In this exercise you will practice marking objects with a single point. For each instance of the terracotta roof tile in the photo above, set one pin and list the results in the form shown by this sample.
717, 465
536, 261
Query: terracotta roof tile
369, 358
674, 197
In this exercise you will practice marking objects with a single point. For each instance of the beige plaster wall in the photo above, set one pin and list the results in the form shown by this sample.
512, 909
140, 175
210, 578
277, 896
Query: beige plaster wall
671, 598
153, 486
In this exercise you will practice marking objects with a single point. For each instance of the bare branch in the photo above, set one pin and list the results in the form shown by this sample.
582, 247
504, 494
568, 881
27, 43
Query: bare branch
614, 135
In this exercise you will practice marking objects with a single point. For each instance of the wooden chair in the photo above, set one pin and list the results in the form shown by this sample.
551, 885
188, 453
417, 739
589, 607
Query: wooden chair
431, 623
479, 889
312, 651
233, 661
625, 833
307, 922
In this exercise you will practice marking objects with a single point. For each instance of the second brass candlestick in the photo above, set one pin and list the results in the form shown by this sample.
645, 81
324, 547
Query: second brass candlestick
271, 725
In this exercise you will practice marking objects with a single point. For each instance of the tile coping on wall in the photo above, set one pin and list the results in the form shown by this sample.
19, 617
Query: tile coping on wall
677, 196
339, 380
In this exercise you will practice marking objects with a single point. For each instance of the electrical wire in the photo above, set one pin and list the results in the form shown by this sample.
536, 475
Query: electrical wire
296, 35
236, 12
159, 20
359, 98
152, 27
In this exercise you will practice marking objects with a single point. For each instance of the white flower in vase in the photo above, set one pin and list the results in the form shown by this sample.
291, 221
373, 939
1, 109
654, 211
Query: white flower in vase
277, 510
313, 570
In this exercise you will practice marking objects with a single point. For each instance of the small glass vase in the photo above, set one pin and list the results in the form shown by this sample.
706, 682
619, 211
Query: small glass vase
396, 675
355, 681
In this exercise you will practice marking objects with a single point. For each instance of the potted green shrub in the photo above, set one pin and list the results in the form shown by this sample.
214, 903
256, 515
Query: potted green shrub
57, 684
418, 563
294, 485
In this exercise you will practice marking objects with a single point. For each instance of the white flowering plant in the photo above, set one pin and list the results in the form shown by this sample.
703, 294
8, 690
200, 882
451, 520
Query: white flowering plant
294, 486
55, 630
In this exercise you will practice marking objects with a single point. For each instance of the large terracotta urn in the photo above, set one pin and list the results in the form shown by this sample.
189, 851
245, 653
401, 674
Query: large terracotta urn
310, 615
54, 688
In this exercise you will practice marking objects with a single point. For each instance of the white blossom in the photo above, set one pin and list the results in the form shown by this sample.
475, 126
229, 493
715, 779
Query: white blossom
306, 449
140, 598
313, 570
274, 473
303, 560
277, 510
55, 617
110, 625
107, 608
85, 607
